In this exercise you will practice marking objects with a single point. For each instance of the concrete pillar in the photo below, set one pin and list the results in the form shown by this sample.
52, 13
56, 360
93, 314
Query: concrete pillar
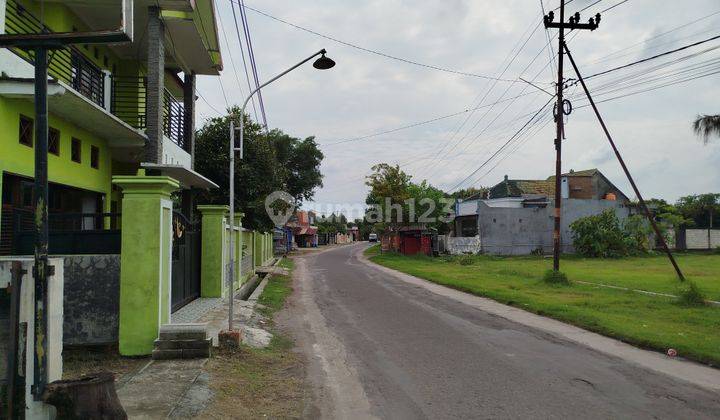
189, 122
155, 86
145, 262
213, 244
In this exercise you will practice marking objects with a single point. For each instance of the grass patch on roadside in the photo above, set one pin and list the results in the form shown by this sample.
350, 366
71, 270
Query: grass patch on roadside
647, 321
255, 383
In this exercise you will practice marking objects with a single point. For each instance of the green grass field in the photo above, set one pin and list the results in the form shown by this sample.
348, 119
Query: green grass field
648, 321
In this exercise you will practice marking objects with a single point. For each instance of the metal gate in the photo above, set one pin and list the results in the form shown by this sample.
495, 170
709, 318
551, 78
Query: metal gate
186, 251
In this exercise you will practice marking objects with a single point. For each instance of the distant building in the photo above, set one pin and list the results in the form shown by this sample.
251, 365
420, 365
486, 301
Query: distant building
304, 231
517, 217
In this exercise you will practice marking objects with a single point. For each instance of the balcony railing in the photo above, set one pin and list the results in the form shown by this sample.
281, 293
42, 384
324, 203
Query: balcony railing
68, 64
129, 103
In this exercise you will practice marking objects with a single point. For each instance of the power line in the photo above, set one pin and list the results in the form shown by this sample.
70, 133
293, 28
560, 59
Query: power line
613, 6
253, 64
513, 137
242, 54
432, 120
368, 50
656, 36
634, 63
232, 61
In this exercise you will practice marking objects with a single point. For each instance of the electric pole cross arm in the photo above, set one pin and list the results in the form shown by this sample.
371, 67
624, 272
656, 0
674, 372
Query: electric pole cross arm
573, 22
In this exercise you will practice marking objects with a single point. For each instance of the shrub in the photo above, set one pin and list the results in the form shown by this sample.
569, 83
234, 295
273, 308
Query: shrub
598, 235
466, 260
691, 296
603, 236
556, 277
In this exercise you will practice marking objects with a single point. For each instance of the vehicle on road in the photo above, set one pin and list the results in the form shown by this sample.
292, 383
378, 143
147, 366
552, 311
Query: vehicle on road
372, 237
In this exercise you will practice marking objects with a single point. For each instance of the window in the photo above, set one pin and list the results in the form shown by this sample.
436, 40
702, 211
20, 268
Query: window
94, 157
26, 131
75, 152
54, 141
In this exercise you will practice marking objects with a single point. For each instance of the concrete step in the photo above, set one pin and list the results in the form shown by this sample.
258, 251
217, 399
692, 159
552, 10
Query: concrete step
181, 354
182, 344
183, 332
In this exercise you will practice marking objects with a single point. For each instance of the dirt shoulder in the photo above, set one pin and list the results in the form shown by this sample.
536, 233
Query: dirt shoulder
255, 383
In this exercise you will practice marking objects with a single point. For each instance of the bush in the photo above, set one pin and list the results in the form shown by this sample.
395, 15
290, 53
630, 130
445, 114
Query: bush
603, 236
556, 277
691, 296
466, 260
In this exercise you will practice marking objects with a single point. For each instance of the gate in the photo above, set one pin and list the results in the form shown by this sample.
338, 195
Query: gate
186, 251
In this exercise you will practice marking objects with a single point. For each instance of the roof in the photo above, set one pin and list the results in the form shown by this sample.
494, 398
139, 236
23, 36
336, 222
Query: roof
521, 187
585, 172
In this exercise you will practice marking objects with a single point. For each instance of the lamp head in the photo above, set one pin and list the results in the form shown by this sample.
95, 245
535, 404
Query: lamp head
323, 63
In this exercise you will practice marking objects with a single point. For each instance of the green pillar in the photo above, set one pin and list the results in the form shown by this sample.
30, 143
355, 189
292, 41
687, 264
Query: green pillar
145, 267
213, 245
238, 249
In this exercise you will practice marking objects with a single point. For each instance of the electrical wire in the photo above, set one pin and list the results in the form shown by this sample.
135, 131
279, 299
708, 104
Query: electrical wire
368, 50
242, 54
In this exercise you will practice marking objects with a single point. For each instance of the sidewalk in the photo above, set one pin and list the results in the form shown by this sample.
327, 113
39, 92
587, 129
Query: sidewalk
180, 388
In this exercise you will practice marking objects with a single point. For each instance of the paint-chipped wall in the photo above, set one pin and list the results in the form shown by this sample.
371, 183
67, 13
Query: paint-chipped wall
92, 299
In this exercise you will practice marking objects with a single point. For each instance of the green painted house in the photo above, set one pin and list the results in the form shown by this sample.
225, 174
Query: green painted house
113, 109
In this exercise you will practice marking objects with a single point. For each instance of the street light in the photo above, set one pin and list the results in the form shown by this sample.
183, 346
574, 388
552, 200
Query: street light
322, 63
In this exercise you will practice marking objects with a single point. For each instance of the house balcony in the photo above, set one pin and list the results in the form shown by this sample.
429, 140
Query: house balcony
123, 98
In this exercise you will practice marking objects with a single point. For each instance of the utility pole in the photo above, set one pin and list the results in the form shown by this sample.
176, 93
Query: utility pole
573, 23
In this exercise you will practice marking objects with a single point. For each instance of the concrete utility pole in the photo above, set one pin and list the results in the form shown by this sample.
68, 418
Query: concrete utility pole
573, 23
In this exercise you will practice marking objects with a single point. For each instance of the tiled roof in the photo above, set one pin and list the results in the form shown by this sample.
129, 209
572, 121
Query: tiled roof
521, 187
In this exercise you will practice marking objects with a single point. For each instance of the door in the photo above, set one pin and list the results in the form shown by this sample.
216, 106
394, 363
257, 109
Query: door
186, 251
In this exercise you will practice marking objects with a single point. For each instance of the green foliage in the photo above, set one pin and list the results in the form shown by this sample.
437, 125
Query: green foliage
556, 277
332, 224
603, 236
272, 161
690, 295
702, 209
392, 192
465, 260
599, 235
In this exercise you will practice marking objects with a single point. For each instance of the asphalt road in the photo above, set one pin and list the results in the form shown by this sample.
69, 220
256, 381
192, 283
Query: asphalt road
381, 347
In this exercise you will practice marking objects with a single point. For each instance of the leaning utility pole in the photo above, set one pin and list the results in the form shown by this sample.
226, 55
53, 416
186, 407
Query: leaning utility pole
573, 23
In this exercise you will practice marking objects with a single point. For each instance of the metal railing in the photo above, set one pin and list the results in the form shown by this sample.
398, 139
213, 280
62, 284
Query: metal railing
68, 64
174, 119
70, 233
129, 100
129, 103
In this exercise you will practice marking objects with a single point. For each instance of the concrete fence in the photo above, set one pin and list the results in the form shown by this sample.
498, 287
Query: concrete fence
701, 239
460, 245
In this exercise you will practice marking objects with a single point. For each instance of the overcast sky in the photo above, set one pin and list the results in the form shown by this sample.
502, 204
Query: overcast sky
367, 93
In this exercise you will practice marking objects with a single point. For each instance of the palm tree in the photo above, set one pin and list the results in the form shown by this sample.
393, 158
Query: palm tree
706, 126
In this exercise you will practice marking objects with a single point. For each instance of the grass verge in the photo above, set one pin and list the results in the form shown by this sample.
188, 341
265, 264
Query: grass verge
256, 383
652, 322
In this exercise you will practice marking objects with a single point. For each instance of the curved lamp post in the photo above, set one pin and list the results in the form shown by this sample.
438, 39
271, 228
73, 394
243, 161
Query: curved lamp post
322, 63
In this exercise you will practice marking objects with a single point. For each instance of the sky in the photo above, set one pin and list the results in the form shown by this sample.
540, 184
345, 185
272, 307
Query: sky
368, 93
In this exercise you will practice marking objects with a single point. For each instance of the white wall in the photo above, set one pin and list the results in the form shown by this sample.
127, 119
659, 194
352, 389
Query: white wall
174, 154
698, 239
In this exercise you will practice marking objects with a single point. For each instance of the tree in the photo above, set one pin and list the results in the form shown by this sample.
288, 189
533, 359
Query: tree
396, 201
702, 209
272, 162
707, 126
